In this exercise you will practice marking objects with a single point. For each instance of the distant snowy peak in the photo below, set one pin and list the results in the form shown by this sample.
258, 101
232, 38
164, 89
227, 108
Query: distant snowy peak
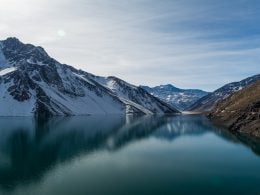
33, 83
207, 103
179, 98
167, 87
129, 93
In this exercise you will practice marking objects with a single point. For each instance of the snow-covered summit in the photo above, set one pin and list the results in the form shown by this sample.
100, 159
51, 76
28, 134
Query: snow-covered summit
33, 83
179, 98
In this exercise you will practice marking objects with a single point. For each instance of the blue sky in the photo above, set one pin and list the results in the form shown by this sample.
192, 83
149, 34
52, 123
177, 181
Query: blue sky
188, 43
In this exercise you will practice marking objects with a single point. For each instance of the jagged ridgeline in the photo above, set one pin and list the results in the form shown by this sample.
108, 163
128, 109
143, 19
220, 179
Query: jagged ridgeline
34, 84
208, 102
178, 98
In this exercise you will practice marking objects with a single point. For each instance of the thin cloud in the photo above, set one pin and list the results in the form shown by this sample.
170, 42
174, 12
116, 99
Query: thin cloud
189, 43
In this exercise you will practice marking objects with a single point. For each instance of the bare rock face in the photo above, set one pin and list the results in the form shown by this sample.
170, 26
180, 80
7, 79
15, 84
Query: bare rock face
241, 111
34, 84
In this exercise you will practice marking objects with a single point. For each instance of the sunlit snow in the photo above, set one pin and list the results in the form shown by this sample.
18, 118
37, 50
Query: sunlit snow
7, 70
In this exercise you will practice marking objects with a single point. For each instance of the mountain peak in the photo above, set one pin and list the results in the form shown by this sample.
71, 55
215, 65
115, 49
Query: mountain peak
16, 52
179, 98
169, 87
12, 41
33, 83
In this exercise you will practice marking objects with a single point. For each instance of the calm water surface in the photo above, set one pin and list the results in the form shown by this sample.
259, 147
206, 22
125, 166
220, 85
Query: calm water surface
125, 155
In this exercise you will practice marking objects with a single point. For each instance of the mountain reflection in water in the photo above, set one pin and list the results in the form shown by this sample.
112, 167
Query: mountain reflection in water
31, 148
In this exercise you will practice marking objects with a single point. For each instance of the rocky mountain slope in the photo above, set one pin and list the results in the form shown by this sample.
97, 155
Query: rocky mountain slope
134, 95
207, 103
179, 98
241, 111
33, 83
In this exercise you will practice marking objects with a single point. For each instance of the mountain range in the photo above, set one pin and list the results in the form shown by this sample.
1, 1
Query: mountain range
179, 98
34, 84
208, 102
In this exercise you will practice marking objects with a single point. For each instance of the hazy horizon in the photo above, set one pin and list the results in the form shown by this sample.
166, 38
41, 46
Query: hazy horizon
189, 44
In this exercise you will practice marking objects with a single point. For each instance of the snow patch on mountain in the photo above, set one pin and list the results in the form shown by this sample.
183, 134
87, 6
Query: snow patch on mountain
39, 63
179, 98
33, 83
89, 103
11, 107
126, 91
133, 107
84, 78
7, 70
208, 102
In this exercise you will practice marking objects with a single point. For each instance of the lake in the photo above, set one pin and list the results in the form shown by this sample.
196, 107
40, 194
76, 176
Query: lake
125, 155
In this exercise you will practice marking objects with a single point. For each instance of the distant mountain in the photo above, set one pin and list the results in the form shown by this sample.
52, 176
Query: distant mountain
241, 111
34, 84
135, 96
179, 98
207, 103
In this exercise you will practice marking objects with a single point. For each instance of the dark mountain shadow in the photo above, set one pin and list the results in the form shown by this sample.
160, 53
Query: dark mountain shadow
198, 125
30, 148
248, 141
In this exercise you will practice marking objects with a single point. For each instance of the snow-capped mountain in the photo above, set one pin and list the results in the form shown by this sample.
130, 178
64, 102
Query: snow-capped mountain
134, 95
33, 83
208, 102
179, 98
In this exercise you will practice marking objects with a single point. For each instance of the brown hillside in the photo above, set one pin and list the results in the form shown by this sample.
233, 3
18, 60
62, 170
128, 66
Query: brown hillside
241, 111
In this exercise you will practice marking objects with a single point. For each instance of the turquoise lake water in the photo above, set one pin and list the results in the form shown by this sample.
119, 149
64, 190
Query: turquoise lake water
125, 155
